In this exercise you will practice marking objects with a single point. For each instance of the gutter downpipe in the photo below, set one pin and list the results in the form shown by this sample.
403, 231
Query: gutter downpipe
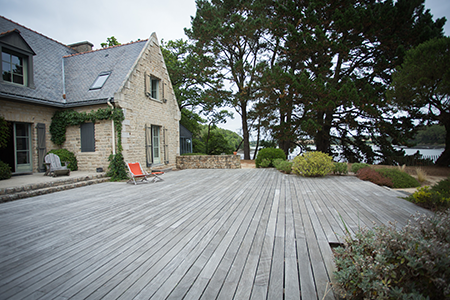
112, 129
63, 81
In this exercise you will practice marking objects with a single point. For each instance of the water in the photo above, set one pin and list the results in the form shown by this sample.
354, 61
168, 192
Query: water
408, 151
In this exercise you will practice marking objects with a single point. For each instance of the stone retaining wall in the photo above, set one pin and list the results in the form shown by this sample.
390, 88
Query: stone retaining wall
209, 162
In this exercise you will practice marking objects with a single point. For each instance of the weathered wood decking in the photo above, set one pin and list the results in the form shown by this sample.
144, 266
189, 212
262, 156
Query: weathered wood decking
200, 234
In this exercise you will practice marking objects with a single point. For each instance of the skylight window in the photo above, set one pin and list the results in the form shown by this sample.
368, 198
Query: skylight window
100, 81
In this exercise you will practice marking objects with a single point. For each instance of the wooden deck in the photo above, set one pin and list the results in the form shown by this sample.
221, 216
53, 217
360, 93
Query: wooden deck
200, 234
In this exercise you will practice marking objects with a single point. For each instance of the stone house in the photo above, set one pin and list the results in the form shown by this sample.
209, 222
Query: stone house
41, 76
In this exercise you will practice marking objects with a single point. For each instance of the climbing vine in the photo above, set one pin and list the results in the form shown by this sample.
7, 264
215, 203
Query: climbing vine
4, 132
64, 118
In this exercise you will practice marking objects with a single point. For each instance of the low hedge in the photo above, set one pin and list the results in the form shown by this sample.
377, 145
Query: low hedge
283, 165
384, 263
393, 178
399, 179
313, 164
270, 154
369, 174
358, 166
435, 198
340, 168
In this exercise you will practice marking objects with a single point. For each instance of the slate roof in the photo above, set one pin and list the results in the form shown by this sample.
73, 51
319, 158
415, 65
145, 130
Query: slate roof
81, 69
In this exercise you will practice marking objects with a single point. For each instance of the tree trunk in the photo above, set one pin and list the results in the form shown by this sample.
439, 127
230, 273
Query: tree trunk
285, 145
323, 137
257, 142
444, 159
245, 132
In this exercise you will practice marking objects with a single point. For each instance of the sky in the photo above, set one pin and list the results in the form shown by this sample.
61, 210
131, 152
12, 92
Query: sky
75, 21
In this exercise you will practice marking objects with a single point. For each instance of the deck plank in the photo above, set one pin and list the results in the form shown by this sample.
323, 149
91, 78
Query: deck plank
199, 234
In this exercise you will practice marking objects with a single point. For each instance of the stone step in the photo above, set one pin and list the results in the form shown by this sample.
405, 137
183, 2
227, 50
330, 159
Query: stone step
31, 190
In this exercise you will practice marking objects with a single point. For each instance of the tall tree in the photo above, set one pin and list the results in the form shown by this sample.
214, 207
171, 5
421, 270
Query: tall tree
197, 88
232, 34
421, 87
336, 58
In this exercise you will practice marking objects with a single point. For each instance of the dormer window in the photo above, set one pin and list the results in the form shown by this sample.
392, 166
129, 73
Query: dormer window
17, 59
100, 81
14, 67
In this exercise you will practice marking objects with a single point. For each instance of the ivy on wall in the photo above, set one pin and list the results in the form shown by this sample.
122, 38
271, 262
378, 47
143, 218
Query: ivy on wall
4, 132
62, 119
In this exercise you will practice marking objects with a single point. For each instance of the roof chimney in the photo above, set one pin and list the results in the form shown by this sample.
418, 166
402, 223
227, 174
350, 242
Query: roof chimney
82, 46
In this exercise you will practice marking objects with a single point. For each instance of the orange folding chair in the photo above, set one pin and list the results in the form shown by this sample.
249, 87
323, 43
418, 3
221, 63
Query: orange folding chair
136, 172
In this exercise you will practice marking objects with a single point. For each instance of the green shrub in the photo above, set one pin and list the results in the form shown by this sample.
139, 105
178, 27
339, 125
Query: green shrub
435, 198
269, 153
117, 169
358, 166
5, 171
340, 168
443, 187
286, 166
384, 263
369, 174
188, 154
313, 164
283, 165
264, 163
66, 155
399, 179
277, 162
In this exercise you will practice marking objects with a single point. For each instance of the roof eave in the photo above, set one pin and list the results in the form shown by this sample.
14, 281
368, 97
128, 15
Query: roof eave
53, 103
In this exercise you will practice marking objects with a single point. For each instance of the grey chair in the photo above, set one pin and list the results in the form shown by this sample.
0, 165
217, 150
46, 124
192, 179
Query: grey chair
54, 167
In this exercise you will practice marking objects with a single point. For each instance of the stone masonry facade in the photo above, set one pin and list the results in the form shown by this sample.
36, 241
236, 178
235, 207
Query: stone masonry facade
20, 112
209, 162
141, 111
162, 112
87, 161
90, 161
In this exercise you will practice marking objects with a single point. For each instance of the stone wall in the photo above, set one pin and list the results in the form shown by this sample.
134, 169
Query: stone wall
209, 162
141, 111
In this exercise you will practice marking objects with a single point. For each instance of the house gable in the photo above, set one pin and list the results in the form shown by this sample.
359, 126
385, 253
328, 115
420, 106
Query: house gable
145, 113
14, 40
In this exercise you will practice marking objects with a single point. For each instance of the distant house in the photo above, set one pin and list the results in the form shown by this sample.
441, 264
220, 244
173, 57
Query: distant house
41, 76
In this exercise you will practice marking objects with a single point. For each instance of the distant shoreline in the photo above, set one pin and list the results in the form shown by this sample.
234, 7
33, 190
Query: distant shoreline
423, 147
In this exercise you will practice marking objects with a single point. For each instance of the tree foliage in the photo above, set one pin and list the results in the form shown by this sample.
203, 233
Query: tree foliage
421, 86
431, 135
232, 35
111, 41
334, 62
213, 140
197, 89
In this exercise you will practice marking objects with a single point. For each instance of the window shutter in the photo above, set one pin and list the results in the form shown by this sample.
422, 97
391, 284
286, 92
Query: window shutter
148, 85
87, 137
